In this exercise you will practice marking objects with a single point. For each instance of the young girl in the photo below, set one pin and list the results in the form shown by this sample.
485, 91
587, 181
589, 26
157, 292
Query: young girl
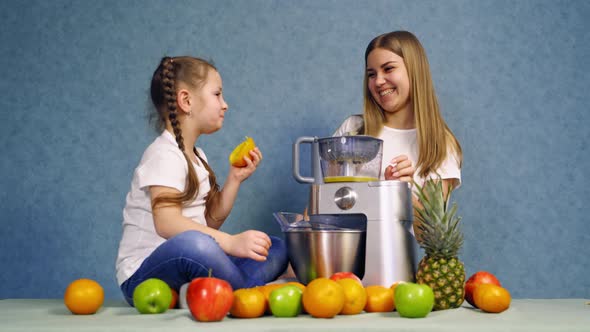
401, 108
174, 209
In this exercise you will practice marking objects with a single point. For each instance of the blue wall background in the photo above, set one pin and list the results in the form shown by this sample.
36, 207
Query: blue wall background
512, 78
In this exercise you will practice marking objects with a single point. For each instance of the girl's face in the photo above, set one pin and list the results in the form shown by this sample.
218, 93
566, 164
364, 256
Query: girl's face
388, 81
211, 106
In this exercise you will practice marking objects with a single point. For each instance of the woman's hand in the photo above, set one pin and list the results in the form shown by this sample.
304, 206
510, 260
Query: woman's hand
242, 173
400, 168
250, 244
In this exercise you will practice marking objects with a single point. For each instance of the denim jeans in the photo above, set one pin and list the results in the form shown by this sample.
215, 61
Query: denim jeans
191, 254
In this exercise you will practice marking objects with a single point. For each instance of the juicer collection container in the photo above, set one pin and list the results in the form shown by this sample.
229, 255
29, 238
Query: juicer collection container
341, 159
324, 245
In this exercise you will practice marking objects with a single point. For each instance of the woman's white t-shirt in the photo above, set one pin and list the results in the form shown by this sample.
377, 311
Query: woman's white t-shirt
162, 164
402, 142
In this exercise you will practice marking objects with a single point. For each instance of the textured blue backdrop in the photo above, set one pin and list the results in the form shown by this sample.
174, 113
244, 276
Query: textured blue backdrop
512, 79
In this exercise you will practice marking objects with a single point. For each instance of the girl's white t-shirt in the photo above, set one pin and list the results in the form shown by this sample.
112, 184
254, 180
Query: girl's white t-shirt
402, 142
162, 164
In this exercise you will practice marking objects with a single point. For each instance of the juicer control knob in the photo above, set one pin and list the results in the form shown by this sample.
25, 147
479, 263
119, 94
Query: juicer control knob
345, 198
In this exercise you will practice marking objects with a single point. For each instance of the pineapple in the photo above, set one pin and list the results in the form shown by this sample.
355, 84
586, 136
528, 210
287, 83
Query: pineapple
441, 239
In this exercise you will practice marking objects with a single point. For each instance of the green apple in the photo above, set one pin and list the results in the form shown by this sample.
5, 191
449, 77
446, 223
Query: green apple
413, 300
152, 296
285, 301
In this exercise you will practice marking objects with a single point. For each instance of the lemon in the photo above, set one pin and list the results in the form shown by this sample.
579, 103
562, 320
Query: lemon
236, 158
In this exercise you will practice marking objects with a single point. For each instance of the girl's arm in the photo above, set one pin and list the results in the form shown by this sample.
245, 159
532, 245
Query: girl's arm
169, 221
221, 208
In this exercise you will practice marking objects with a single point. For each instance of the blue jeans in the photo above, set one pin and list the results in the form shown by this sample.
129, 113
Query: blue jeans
191, 254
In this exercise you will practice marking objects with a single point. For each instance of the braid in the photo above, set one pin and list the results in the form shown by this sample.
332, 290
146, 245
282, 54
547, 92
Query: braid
168, 85
212, 195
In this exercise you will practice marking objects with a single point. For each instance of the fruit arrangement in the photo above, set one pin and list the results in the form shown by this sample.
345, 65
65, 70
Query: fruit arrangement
211, 299
440, 280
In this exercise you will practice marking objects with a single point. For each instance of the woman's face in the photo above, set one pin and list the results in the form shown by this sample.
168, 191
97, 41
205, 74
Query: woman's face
388, 81
211, 107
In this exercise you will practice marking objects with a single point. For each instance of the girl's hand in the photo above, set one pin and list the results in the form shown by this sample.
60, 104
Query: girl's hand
401, 169
242, 173
250, 244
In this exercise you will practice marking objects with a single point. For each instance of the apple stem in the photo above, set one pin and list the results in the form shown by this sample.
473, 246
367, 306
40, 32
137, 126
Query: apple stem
210, 272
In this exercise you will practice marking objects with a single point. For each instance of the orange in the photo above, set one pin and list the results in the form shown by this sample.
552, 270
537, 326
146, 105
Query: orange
393, 286
174, 299
266, 289
491, 298
379, 299
236, 158
84, 296
323, 298
248, 303
355, 296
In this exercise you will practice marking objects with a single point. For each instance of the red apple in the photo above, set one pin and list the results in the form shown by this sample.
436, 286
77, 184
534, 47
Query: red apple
343, 275
209, 299
480, 277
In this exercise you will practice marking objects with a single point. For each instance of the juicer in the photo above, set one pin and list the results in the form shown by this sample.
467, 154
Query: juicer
345, 181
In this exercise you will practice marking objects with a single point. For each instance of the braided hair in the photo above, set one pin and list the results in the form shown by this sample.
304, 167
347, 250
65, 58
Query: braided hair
192, 72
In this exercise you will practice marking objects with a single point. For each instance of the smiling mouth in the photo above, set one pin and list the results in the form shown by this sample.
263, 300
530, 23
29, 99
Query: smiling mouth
386, 92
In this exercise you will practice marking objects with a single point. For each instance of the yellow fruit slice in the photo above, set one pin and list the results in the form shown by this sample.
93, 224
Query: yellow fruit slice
236, 158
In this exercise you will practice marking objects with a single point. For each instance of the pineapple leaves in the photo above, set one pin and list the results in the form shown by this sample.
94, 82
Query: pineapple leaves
439, 225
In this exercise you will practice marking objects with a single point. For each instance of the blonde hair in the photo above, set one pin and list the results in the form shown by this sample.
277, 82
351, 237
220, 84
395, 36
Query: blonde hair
435, 139
193, 73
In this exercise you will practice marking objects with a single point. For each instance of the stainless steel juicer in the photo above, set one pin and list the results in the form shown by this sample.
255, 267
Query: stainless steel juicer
353, 165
